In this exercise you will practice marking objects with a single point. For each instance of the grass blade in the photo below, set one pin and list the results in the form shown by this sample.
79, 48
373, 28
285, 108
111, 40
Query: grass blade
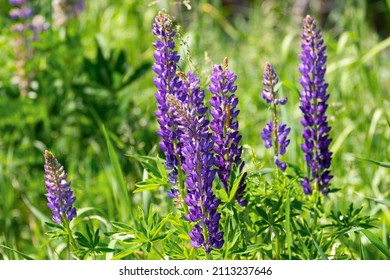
17, 252
376, 242
123, 195
382, 164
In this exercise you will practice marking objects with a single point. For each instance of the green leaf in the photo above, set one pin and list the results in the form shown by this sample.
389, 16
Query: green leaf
82, 240
251, 248
104, 250
54, 225
323, 256
120, 64
37, 213
386, 165
127, 252
150, 184
235, 187
103, 69
122, 226
161, 167
17, 252
222, 194
262, 213
123, 197
96, 238
376, 242
156, 230
277, 205
153, 171
163, 236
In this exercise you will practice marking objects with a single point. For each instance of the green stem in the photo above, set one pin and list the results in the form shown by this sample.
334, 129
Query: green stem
70, 240
182, 189
276, 143
277, 245
316, 198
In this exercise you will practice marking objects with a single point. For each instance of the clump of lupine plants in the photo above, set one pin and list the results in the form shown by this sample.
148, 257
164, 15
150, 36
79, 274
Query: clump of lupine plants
217, 206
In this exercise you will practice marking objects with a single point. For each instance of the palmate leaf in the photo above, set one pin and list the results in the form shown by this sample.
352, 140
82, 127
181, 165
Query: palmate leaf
157, 175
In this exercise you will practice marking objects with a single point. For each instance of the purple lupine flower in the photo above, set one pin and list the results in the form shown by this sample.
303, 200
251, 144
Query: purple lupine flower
270, 80
224, 125
166, 82
38, 25
274, 133
313, 106
21, 13
173, 193
63, 10
59, 194
18, 2
198, 162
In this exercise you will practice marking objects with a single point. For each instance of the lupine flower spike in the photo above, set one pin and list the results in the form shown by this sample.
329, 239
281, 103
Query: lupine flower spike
313, 106
25, 22
166, 81
275, 133
63, 10
225, 127
59, 194
198, 161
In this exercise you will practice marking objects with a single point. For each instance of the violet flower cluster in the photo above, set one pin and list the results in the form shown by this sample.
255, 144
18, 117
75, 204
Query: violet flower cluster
224, 125
26, 29
64, 10
23, 13
166, 82
275, 132
198, 162
59, 194
313, 100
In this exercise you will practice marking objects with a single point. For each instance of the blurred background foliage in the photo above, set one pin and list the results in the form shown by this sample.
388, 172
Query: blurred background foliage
95, 71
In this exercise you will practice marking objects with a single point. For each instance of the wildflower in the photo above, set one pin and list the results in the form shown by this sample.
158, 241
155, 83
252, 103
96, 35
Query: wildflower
21, 13
313, 106
59, 194
24, 51
166, 82
198, 162
225, 127
18, 2
275, 132
63, 10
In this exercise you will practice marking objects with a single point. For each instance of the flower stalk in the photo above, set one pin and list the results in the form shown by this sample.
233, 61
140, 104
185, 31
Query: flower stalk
313, 101
224, 125
275, 133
